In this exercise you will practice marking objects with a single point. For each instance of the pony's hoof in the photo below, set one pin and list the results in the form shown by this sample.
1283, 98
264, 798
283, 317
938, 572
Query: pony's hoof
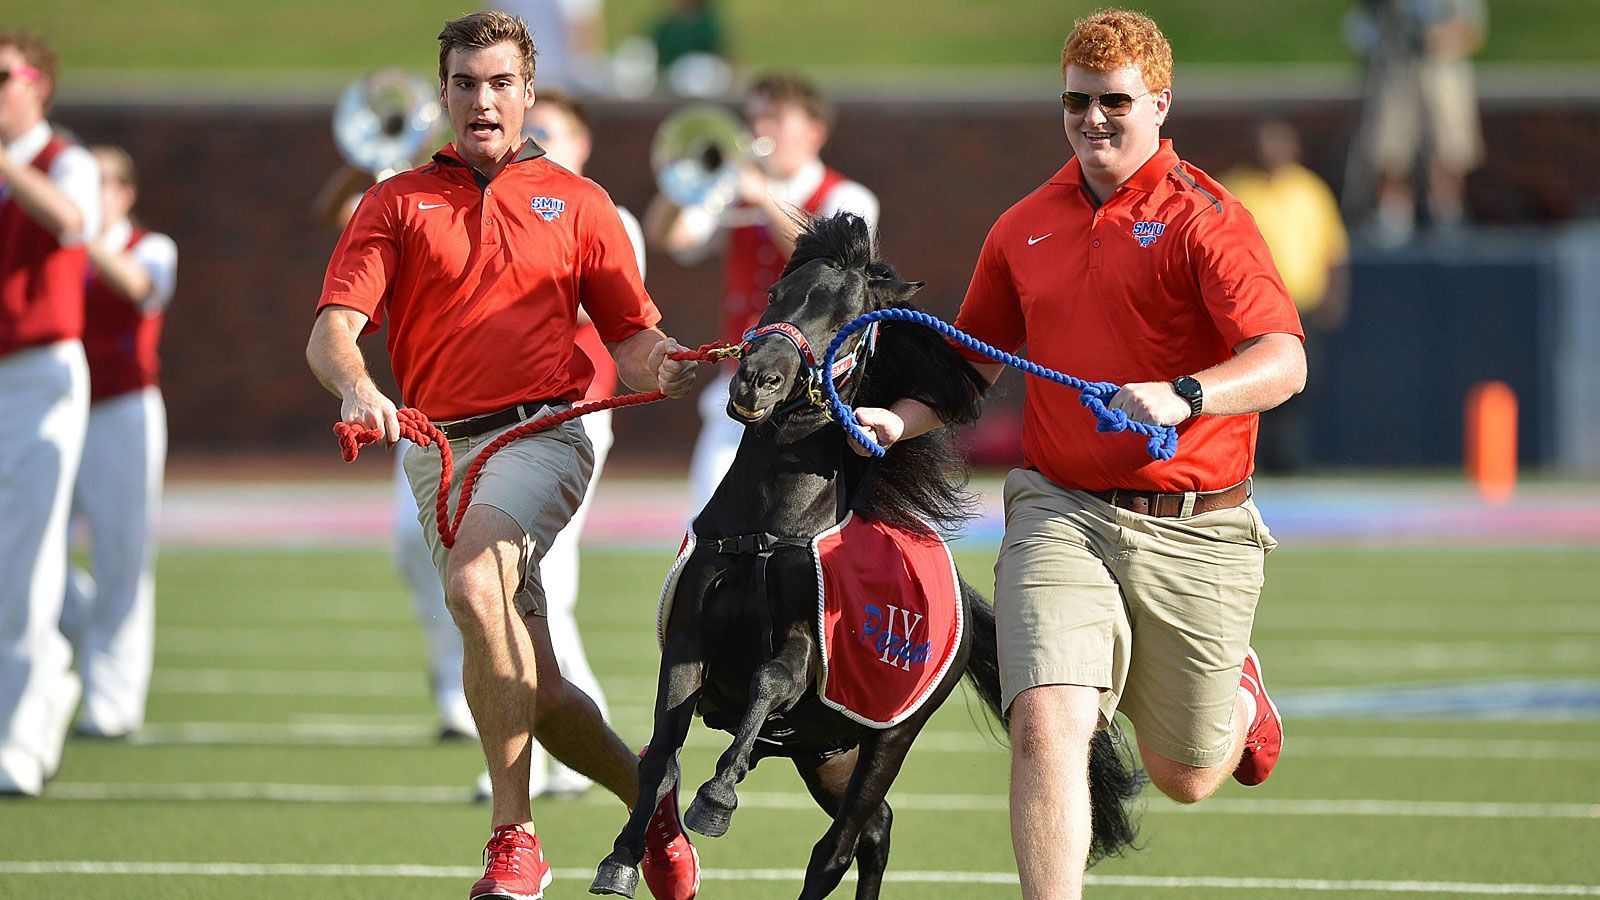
615, 878
707, 817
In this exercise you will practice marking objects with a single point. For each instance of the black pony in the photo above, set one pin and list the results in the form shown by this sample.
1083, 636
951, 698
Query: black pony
740, 645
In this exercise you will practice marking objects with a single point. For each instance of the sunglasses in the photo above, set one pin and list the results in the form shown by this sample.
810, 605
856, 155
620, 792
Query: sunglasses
1113, 104
20, 71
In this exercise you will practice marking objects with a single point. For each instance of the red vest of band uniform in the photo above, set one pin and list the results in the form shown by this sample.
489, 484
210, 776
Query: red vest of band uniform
119, 338
41, 282
754, 264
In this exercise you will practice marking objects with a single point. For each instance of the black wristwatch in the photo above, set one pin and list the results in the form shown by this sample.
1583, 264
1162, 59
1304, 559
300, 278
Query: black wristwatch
1189, 389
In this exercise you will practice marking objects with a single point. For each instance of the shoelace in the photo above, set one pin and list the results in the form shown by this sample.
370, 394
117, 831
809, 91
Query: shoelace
502, 851
664, 832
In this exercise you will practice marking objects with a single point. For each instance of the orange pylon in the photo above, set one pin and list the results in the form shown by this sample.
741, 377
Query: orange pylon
1491, 439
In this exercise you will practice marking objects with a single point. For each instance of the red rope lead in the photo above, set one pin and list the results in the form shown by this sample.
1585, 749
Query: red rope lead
415, 427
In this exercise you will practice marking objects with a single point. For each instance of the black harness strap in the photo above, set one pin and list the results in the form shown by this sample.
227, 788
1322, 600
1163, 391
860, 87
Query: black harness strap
761, 546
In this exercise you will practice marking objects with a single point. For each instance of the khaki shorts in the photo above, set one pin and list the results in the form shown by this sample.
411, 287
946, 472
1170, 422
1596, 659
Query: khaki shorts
538, 481
1430, 108
1156, 613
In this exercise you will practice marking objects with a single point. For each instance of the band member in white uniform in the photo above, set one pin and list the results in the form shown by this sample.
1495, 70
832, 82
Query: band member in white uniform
757, 235
49, 202
110, 615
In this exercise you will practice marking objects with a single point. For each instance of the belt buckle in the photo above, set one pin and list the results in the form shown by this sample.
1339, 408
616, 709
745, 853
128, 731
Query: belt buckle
1186, 509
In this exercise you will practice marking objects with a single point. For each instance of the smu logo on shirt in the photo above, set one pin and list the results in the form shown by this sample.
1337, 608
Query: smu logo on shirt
1147, 232
896, 649
549, 208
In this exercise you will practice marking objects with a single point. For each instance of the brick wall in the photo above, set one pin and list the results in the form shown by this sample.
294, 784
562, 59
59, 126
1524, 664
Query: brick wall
234, 186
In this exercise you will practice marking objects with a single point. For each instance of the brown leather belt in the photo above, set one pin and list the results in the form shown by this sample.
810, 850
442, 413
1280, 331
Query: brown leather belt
1171, 506
471, 428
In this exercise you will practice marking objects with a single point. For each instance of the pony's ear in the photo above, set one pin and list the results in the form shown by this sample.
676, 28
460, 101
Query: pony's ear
894, 292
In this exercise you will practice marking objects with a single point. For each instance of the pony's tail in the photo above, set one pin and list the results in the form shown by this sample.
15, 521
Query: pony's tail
1115, 781
983, 664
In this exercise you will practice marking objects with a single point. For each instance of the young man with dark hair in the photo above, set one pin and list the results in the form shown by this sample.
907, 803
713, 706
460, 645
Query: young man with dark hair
49, 205
1122, 583
478, 262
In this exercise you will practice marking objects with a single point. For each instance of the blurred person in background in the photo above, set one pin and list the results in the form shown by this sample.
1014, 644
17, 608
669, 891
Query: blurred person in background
691, 53
1298, 215
49, 206
571, 37
685, 27
756, 235
109, 615
1420, 114
448, 257
1124, 585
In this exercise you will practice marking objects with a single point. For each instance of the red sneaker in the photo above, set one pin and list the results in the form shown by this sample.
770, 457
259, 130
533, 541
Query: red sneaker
513, 867
1264, 741
671, 865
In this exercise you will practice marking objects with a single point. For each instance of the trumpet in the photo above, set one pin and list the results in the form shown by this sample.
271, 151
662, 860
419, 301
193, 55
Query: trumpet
387, 121
697, 154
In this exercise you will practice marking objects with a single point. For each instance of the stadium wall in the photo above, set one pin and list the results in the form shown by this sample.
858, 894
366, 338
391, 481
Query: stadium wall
234, 185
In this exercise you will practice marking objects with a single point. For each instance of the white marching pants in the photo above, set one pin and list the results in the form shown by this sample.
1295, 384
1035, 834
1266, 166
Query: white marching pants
109, 615
414, 562
714, 449
44, 409
559, 572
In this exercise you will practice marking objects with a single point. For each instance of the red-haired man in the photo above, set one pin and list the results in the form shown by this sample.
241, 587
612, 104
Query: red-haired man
1125, 583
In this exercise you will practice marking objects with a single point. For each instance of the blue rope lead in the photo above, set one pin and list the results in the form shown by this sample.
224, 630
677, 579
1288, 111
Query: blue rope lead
1163, 439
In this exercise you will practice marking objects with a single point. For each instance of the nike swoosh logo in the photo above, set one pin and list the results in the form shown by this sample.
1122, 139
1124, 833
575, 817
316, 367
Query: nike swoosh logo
1034, 240
437, 205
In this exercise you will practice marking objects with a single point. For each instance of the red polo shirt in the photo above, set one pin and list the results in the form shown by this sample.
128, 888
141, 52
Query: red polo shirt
1163, 280
480, 281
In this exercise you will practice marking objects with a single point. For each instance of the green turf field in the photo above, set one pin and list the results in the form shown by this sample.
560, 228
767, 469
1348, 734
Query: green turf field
356, 35
290, 740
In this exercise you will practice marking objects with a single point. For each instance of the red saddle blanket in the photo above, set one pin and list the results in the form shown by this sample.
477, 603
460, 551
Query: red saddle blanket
889, 617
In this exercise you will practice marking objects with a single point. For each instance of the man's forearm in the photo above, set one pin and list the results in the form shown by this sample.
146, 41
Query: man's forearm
39, 197
335, 358
122, 273
633, 359
920, 418
1264, 373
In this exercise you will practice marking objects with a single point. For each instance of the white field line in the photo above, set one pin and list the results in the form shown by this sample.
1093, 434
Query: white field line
1174, 882
1425, 656
409, 730
977, 742
426, 794
262, 682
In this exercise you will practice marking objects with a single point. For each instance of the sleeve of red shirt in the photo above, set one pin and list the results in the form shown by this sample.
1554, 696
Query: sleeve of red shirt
991, 310
366, 257
1238, 281
610, 288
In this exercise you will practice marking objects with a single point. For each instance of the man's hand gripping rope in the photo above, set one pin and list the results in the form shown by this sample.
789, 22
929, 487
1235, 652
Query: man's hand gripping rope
415, 427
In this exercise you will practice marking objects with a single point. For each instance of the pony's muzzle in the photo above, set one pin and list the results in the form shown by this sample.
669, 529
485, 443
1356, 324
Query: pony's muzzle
755, 391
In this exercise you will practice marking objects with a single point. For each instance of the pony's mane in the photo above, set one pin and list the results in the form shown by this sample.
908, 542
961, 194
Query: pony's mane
926, 477
842, 239
920, 481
